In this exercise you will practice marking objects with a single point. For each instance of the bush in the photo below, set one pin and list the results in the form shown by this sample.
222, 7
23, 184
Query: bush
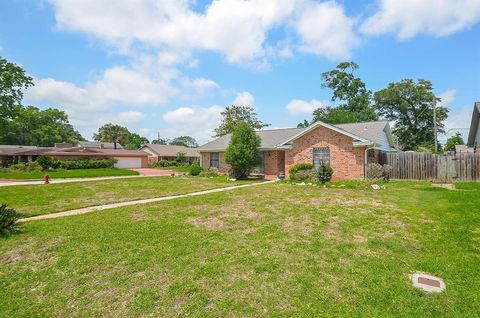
45, 161
377, 171
86, 164
301, 172
210, 172
324, 173
23, 167
195, 169
8, 218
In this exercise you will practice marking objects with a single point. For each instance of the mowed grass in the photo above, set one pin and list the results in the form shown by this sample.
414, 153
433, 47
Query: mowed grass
467, 185
31, 200
271, 250
76, 173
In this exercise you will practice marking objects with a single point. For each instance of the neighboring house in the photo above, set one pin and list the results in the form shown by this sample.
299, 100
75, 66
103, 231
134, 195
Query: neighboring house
89, 145
474, 134
7, 153
125, 158
169, 152
343, 147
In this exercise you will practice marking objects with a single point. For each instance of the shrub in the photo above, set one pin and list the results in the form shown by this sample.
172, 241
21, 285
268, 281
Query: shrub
181, 157
324, 173
195, 169
17, 167
45, 161
33, 166
86, 163
301, 171
210, 172
377, 171
8, 218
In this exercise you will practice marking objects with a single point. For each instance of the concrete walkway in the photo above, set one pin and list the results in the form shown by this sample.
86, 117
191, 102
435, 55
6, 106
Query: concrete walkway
142, 201
67, 180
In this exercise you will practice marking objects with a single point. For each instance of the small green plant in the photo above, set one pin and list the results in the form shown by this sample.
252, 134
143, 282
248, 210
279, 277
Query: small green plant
195, 169
8, 218
324, 173
45, 161
302, 171
181, 157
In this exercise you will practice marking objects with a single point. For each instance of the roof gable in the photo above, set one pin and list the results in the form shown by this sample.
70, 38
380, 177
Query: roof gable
474, 124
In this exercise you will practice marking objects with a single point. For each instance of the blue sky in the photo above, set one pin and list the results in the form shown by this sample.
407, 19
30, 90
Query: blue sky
172, 66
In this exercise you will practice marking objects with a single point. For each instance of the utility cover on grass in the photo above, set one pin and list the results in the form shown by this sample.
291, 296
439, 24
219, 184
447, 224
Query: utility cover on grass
427, 283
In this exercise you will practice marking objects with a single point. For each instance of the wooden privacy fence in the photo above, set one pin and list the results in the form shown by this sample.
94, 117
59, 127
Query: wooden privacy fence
428, 166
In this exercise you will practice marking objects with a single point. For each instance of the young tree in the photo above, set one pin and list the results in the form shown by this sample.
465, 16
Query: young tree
410, 105
185, 141
242, 151
233, 115
453, 141
135, 141
350, 90
112, 133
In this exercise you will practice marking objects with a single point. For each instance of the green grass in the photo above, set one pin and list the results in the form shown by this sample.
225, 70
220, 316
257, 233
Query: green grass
77, 173
467, 185
30, 200
272, 250
177, 169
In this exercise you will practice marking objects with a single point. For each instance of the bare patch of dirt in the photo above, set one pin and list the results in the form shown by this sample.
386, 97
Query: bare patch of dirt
212, 223
32, 251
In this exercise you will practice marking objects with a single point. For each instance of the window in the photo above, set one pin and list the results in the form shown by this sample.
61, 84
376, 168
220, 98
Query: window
215, 160
321, 156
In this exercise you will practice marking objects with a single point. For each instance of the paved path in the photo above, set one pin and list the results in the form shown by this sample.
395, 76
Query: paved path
154, 172
143, 201
67, 180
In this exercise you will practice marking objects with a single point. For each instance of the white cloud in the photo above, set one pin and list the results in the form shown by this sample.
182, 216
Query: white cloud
131, 117
235, 28
244, 99
201, 85
447, 98
302, 107
325, 30
458, 117
407, 18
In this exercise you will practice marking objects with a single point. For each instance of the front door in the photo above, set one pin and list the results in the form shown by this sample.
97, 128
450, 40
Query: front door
260, 168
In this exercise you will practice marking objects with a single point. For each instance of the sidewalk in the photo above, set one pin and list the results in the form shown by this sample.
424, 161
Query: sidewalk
142, 201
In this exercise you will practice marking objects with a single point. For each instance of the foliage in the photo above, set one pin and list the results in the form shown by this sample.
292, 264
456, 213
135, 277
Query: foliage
303, 124
195, 169
112, 133
453, 141
210, 172
170, 163
135, 141
233, 115
301, 166
324, 173
45, 161
85, 163
8, 218
185, 141
304, 175
76, 173
410, 105
160, 141
242, 151
351, 91
181, 157
12, 80
25, 167
377, 171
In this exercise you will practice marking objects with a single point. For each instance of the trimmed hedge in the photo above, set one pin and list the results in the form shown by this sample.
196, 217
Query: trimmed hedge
86, 163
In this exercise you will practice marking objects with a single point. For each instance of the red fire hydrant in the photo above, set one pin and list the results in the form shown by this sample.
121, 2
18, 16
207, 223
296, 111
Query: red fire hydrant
46, 178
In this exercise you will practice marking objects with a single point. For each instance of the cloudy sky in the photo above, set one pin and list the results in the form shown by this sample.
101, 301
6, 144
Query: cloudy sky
171, 66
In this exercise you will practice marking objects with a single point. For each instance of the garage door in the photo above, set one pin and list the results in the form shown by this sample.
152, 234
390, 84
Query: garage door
128, 163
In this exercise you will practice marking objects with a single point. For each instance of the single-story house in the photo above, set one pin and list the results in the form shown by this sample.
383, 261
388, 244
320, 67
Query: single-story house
125, 158
474, 134
169, 152
346, 148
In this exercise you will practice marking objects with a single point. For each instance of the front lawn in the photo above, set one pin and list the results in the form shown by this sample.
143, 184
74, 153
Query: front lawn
272, 250
76, 173
32, 200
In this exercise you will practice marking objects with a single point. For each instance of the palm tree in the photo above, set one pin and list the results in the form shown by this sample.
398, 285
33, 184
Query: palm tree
112, 133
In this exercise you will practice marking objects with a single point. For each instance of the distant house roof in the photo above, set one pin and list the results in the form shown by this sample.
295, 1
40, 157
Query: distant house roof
88, 152
171, 151
98, 144
8, 150
375, 133
474, 125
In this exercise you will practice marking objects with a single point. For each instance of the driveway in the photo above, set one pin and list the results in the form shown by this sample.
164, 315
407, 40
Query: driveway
154, 172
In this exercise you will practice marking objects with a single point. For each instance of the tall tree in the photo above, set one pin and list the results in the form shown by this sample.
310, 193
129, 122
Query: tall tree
12, 80
233, 115
112, 133
242, 152
135, 141
409, 105
32, 126
303, 124
185, 141
351, 91
453, 141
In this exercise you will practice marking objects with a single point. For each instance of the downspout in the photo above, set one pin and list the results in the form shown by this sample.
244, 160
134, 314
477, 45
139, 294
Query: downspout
366, 161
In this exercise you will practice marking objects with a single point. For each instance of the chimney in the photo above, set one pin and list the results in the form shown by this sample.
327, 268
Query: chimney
101, 145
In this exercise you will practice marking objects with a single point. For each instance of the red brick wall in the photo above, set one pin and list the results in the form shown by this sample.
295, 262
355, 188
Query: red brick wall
224, 168
347, 162
274, 162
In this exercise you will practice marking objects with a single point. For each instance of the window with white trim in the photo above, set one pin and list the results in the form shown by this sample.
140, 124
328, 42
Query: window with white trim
215, 159
321, 156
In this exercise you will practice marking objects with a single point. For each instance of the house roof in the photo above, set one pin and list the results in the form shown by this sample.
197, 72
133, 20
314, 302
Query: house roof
89, 152
171, 150
96, 144
368, 133
8, 150
474, 124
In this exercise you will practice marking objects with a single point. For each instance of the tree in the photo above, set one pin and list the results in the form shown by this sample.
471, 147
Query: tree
160, 141
453, 141
112, 133
135, 141
12, 80
233, 115
185, 141
242, 151
303, 124
410, 105
32, 126
350, 90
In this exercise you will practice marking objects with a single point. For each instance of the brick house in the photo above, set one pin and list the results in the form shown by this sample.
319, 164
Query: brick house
346, 148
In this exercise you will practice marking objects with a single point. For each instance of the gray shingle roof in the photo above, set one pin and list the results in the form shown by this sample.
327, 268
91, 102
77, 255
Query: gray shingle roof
271, 138
171, 150
96, 144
